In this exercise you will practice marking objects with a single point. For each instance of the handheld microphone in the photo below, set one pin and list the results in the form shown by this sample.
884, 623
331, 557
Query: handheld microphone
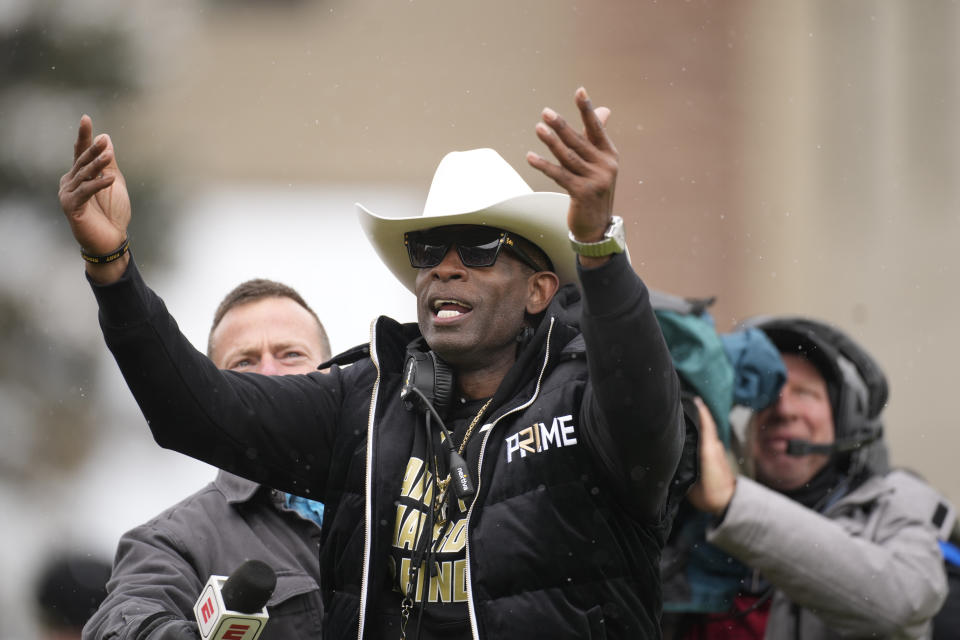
234, 608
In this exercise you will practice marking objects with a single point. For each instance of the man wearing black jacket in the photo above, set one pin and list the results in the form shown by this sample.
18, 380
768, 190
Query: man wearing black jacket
532, 427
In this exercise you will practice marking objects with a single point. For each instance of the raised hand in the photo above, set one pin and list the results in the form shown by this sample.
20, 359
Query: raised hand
93, 195
714, 489
587, 169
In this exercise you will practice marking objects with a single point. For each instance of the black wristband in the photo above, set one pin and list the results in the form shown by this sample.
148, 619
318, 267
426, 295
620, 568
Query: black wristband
116, 254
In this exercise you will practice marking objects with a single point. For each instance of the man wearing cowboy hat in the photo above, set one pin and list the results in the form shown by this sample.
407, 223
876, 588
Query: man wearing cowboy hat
531, 426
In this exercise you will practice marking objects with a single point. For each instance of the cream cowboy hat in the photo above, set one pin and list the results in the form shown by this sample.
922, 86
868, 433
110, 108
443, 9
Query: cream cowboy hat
478, 187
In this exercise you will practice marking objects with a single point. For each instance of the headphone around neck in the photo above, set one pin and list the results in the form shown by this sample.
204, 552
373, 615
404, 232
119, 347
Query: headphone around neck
430, 375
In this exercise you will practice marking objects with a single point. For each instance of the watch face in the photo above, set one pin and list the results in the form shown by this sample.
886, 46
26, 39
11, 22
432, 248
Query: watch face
614, 241
617, 233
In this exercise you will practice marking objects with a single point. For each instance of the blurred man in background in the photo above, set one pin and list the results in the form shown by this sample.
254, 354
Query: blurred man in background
261, 327
837, 544
69, 587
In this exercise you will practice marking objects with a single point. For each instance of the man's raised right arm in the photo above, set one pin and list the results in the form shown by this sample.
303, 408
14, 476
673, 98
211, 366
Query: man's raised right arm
94, 198
276, 430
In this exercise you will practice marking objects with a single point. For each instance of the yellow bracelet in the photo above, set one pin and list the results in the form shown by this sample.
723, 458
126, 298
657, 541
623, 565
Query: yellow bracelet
109, 257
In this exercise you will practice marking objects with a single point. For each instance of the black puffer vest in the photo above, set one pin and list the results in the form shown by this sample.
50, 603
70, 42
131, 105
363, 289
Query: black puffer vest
552, 549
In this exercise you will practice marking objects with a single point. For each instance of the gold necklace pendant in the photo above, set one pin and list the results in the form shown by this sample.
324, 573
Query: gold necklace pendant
440, 496
442, 515
440, 502
442, 486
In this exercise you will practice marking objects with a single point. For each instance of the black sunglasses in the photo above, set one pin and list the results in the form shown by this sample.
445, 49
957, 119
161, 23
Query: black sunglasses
477, 246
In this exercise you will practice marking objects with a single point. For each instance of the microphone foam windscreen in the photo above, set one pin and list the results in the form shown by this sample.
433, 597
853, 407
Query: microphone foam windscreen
249, 587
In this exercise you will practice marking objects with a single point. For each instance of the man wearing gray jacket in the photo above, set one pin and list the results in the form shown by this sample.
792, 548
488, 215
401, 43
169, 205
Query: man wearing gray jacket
161, 566
838, 545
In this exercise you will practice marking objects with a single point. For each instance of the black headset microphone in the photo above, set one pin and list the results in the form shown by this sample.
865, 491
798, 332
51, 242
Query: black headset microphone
427, 385
798, 448
428, 381
418, 376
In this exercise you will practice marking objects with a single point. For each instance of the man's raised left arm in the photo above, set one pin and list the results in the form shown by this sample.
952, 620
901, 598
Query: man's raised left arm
633, 417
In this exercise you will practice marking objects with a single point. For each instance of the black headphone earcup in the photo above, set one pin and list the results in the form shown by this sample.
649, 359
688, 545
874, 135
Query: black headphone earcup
424, 371
442, 384
866, 367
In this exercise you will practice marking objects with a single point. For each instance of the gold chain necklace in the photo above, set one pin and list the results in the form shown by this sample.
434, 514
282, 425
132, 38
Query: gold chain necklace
440, 502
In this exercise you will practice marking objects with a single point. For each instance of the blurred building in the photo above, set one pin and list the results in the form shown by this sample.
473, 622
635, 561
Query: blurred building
784, 156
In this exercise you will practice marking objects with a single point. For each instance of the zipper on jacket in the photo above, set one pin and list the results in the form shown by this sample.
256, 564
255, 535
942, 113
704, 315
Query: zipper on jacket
474, 630
365, 577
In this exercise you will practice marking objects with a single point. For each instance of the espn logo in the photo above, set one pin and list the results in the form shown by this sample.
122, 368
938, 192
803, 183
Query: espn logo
235, 632
208, 609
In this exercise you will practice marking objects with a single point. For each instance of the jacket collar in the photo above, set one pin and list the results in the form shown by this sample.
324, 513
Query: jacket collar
868, 492
235, 489
392, 339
